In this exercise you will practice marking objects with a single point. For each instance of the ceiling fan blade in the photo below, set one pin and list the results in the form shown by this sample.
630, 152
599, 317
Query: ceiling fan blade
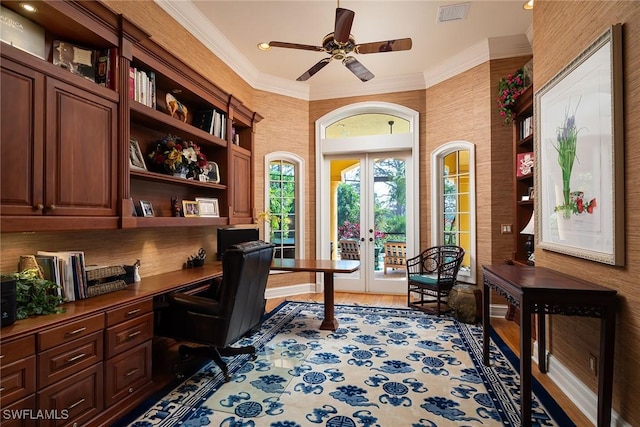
344, 20
296, 46
357, 68
311, 71
384, 46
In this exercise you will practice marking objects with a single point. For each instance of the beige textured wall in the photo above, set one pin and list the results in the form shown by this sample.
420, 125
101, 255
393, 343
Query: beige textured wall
561, 31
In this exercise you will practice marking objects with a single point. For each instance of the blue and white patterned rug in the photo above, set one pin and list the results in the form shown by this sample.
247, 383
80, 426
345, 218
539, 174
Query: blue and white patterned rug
382, 367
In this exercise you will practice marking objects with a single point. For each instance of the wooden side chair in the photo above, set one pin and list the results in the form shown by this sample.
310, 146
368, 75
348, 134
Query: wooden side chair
349, 249
395, 255
431, 275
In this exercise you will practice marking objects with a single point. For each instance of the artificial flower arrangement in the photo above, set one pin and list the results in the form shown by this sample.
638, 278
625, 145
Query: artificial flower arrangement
173, 155
509, 89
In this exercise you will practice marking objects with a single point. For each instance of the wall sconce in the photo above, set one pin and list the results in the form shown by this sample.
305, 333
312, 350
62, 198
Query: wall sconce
528, 5
528, 230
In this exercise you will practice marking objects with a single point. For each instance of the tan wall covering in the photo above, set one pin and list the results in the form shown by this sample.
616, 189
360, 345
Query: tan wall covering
562, 30
460, 108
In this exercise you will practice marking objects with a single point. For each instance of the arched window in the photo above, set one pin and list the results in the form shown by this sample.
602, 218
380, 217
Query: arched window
453, 213
284, 202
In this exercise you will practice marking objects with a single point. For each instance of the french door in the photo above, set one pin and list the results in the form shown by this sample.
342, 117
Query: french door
368, 209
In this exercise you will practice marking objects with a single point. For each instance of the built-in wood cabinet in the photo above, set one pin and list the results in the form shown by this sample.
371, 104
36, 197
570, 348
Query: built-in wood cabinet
523, 182
72, 169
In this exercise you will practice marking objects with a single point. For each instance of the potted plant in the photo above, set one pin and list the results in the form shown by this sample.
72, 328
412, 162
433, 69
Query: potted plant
34, 295
509, 89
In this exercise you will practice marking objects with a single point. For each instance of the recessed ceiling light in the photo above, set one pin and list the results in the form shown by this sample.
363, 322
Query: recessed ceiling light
28, 7
264, 46
528, 5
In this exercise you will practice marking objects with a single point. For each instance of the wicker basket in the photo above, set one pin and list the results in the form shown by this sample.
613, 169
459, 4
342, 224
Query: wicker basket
104, 272
105, 288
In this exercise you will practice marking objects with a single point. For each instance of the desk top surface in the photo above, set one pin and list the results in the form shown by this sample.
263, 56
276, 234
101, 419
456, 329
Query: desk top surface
530, 279
317, 265
146, 289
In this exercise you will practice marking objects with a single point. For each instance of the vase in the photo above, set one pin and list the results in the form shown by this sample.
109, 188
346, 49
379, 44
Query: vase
181, 173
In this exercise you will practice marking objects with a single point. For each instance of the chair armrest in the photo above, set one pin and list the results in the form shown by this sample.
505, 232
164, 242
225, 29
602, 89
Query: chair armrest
196, 303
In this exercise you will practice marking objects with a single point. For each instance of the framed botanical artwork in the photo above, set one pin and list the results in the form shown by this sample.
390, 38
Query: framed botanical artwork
136, 160
146, 208
579, 155
190, 208
208, 207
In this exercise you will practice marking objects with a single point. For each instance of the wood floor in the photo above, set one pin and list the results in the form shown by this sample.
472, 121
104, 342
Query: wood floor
507, 330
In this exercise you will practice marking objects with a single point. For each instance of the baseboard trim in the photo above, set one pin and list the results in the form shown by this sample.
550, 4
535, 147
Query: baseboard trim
582, 396
285, 291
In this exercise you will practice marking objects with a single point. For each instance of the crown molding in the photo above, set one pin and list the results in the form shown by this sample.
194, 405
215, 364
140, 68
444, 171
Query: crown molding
185, 13
378, 85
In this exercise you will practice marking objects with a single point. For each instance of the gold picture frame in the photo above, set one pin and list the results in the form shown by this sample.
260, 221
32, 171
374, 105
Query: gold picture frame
190, 208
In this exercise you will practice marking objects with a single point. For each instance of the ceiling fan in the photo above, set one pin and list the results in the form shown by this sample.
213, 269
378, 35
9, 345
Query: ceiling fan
340, 44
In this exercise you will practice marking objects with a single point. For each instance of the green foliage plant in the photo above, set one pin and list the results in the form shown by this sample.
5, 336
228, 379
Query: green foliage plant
35, 296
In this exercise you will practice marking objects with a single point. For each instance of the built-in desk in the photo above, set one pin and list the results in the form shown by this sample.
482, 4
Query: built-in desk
95, 359
543, 291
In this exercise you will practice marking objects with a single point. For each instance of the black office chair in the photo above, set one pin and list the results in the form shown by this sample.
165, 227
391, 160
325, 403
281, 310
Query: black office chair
221, 315
431, 275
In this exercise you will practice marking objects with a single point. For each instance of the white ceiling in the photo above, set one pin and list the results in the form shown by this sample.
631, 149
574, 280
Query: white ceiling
232, 30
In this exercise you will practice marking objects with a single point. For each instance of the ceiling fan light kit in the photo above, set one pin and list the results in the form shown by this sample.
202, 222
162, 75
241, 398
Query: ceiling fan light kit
340, 44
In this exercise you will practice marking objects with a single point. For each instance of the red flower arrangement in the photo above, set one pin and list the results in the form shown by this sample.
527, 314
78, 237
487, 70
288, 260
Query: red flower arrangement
509, 89
173, 155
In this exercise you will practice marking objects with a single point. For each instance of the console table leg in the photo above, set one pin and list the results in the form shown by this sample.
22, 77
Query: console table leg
605, 374
525, 363
542, 343
486, 322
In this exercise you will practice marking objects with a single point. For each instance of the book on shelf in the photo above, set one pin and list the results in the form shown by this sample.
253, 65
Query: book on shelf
132, 83
526, 127
106, 64
22, 33
77, 59
203, 119
72, 273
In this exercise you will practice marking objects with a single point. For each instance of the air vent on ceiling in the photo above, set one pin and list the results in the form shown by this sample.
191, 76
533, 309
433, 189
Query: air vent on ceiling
452, 12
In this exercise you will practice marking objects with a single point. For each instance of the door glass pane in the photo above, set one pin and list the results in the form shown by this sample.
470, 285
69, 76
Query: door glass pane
389, 210
282, 190
346, 180
456, 201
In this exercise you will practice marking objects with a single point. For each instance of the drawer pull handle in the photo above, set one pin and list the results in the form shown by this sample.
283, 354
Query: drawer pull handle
1, 389
76, 332
1, 356
74, 358
132, 335
131, 372
75, 404
132, 312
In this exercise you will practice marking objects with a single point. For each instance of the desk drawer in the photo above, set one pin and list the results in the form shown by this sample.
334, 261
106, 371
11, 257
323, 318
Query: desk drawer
17, 380
127, 373
17, 349
66, 359
70, 331
78, 398
20, 414
129, 312
129, 334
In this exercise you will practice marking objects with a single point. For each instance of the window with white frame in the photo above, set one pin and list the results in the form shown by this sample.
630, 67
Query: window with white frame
453, 204
284, 204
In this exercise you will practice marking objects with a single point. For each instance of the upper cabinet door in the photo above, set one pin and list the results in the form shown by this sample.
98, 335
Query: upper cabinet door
81, 152
21, 141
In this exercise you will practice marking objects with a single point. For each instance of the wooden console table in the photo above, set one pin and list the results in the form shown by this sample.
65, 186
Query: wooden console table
328, 267
543, 291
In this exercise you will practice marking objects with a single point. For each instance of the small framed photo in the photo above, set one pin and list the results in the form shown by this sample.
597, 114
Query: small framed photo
190, 208
530, 193
211, 173
208, 207
136, 159
146, 208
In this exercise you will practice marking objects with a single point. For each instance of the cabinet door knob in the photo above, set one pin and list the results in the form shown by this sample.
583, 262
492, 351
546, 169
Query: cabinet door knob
52, 207
39, 206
